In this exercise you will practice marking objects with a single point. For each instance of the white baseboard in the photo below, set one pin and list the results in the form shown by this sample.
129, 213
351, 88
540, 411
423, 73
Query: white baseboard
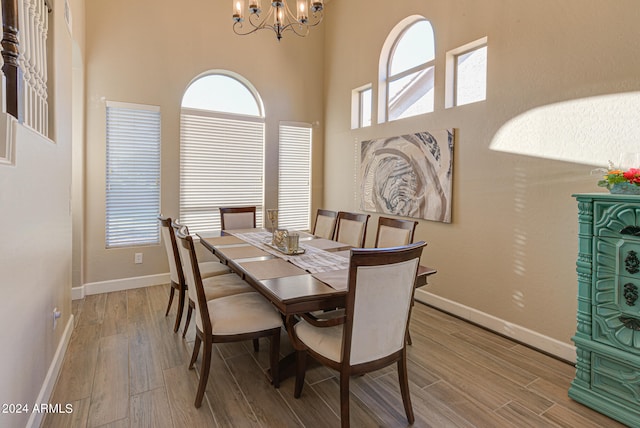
536, 340
35, 420
119, 285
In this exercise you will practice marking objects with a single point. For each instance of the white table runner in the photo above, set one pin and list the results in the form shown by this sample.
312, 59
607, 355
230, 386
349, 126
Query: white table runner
314, 260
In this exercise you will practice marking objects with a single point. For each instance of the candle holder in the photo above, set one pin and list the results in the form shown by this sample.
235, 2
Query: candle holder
293, 242
272, 215
279, 239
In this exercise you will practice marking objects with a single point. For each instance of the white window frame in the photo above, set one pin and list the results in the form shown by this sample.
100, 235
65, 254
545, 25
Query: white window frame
294, 175
358, 106
384, 67
451, 74
132, 193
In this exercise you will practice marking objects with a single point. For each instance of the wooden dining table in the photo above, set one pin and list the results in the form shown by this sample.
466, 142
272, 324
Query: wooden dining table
294, 284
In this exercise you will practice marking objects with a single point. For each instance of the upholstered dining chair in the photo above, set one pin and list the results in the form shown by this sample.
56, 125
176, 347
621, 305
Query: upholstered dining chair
371, 333
393, 232
237, 217
325, 224
215, 286
176, 275
245, 316
351, 228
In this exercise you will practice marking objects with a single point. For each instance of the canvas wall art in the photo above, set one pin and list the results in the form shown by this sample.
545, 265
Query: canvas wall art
408, 175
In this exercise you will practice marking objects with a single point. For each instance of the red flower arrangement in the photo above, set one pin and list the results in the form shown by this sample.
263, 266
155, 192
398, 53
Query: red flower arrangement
614, 176
632, 176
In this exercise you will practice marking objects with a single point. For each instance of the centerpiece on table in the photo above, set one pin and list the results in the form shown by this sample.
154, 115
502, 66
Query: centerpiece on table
621, 181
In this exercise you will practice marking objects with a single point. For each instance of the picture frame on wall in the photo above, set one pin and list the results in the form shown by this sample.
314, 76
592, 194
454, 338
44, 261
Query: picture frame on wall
408, 175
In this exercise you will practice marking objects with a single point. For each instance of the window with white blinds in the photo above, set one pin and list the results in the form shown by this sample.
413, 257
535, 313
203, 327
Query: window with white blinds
133, 175
221, 165
294, 188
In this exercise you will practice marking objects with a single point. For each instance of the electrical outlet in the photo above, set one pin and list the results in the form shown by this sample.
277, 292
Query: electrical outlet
56, 314
138, 258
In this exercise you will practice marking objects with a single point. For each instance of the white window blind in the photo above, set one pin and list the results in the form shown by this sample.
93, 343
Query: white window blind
221, 165
294, 188
133, 175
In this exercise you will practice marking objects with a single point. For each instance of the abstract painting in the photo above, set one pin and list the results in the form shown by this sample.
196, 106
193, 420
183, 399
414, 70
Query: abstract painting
409, 175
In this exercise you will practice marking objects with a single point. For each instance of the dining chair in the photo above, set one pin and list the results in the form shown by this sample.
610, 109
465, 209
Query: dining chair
325, 225
371, 333
215, 286
393, 232
245, 316
175, 269
351, 228
237, 218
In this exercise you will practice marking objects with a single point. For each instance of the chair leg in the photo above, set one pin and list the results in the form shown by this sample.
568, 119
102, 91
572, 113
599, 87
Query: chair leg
256, 345
301, 368
188, 320
171, 293
274, 352
204, 372
181, 294
344, 400
409, 342
404, 386
196, 350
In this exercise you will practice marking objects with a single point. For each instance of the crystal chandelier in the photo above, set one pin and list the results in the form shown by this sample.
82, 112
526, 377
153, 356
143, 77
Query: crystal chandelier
278, 18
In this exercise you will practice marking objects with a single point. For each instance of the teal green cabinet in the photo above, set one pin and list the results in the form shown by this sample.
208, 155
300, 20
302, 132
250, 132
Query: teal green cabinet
608, 329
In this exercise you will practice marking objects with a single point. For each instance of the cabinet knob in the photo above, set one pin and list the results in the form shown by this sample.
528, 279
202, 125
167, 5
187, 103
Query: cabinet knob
631, 230
632, 323
632, 263
630, 293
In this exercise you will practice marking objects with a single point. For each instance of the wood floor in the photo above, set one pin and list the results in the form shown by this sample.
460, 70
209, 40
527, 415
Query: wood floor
125, 367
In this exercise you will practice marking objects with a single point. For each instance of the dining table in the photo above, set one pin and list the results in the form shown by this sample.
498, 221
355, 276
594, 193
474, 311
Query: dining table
314, 278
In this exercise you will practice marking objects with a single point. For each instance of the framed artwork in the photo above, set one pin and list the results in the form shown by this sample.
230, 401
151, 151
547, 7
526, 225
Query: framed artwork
408, 175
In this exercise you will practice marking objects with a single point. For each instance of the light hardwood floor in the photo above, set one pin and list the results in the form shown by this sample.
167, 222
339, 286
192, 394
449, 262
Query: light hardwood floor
125, 367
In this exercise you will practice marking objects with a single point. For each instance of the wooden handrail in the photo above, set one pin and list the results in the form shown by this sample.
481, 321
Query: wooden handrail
10, 53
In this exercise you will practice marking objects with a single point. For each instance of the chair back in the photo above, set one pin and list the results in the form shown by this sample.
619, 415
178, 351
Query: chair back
325, 225
237, 218
378, 305
394, 232
351, 228
195, 289
171, 247
176, 227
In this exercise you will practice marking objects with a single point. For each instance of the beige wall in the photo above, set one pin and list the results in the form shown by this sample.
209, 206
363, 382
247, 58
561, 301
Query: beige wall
35, 252
147, 52
509, 253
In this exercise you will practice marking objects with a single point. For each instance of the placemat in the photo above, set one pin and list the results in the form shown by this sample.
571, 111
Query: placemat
337, 279
273, 268
323, 244
223, 240
241, 252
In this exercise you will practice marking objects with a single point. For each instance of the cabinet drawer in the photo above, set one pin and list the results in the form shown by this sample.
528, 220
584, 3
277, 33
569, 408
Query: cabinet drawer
616, 377
616, 279
618, 256
614, 218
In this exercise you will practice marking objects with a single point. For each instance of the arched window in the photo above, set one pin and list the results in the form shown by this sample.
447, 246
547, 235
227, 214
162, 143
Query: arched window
224, 94
221, 149
407, 65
